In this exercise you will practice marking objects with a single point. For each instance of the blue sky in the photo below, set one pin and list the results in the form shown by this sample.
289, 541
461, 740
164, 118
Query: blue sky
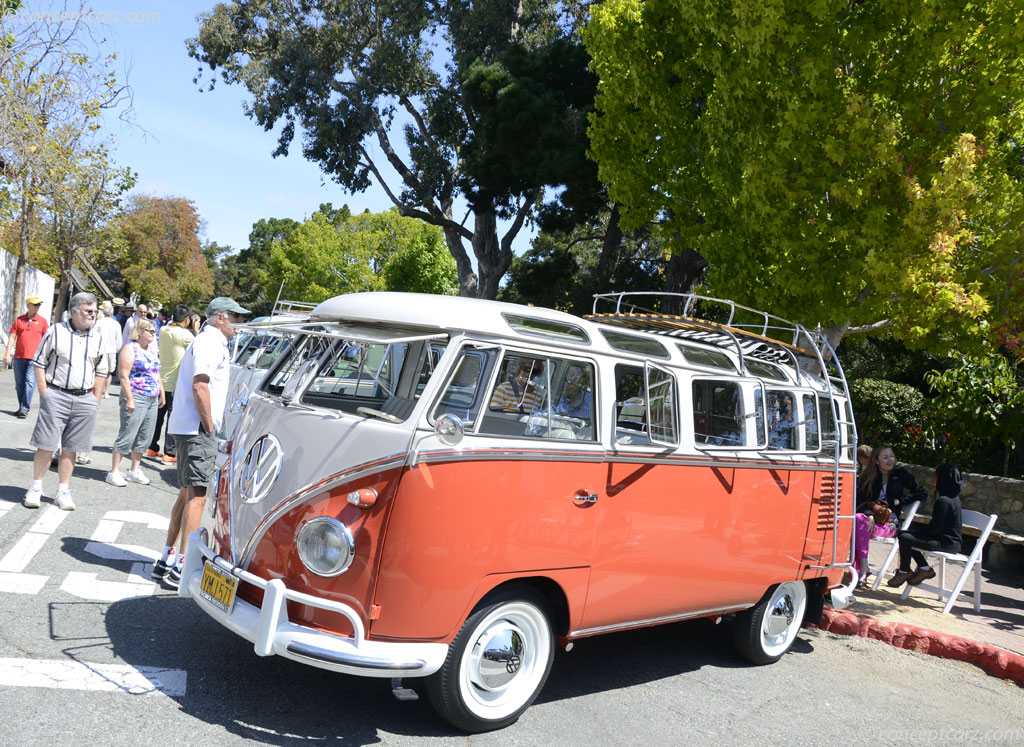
184, 142
199, 144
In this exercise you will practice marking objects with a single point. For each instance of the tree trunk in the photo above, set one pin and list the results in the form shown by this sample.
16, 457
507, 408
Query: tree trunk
610, 244
682, 273
492, 260
23, 240
467, 278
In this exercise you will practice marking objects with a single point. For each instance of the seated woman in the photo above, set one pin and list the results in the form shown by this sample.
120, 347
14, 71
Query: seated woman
943, 533
518, 394
882, 482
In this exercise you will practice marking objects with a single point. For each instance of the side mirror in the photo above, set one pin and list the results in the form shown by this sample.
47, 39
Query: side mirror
449, 429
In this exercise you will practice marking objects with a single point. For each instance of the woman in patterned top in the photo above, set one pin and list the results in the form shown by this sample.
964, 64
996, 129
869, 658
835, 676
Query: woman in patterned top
142, 393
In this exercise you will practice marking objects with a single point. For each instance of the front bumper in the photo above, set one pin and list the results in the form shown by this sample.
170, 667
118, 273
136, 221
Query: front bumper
271, 632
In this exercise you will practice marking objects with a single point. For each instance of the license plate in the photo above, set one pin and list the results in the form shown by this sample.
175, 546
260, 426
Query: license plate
218, 587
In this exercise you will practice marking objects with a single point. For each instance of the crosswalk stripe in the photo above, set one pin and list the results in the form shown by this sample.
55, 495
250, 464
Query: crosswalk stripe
67, 674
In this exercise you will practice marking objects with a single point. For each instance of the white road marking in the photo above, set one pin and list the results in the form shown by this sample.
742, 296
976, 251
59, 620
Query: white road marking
19, 556
88, 586
22, 583
78, 675
12, 580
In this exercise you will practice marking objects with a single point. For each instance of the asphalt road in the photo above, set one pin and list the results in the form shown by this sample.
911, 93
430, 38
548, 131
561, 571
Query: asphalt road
92, 652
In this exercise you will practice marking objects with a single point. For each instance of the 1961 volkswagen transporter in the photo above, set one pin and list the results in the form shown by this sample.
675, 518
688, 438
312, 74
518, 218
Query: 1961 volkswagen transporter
447, 488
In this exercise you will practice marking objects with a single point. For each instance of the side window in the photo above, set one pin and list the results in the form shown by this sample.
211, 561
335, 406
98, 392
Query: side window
828, 425
782, 420
723, 404
542, 398
630, 410
646, 409
661, 406
812, 442
463, 395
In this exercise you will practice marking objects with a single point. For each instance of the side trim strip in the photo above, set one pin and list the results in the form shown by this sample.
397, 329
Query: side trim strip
657, 620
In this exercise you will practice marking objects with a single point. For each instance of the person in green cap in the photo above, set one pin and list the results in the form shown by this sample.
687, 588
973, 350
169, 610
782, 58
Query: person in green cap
201, 392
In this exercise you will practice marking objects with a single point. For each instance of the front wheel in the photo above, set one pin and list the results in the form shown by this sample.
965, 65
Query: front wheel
497, 663
767, 630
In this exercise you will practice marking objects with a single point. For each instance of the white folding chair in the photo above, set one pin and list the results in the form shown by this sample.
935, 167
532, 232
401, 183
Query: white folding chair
973, 562
883, 571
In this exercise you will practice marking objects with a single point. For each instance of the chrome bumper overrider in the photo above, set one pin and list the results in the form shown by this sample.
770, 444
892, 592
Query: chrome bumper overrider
842, 596
271, 632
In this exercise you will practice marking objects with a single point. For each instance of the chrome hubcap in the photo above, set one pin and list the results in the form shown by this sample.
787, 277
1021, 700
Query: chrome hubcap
501, 656
781, 616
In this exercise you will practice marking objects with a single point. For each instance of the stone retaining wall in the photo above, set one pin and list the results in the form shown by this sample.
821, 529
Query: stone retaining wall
984, 493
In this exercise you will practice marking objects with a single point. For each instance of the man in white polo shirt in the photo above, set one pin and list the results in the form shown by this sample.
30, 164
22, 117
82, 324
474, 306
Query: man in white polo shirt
201, 392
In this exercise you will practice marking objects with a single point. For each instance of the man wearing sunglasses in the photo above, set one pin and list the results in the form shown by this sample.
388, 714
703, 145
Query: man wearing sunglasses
70, 366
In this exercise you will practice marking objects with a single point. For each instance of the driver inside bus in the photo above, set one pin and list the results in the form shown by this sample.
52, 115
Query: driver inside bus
519, 394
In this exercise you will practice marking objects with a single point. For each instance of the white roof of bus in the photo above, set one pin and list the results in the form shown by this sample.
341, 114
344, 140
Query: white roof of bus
413, 311
433, 312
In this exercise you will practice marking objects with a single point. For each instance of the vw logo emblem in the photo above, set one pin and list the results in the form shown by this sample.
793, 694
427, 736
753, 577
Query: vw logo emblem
512, 664
260, 468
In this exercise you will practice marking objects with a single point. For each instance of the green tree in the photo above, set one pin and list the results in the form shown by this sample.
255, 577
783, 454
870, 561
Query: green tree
81, 192
350, 72
853, 165
424, 265
980, 403
163, 259
320, 258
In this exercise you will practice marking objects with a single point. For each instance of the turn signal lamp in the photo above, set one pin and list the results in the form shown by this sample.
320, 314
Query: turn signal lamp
363, 498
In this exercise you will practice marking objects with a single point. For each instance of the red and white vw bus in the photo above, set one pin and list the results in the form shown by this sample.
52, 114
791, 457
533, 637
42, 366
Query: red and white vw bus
447, 488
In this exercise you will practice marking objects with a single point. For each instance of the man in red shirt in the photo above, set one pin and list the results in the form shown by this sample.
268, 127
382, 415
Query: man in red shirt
26, 332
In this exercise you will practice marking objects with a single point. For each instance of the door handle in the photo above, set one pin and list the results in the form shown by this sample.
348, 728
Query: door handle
584, 496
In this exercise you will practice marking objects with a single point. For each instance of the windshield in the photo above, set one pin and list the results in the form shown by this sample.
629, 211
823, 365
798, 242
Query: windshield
368, 378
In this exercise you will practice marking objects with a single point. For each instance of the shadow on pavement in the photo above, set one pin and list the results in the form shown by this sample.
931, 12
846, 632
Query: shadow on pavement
275, 701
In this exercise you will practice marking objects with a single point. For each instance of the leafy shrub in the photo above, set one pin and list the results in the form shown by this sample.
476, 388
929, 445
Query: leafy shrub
890, 413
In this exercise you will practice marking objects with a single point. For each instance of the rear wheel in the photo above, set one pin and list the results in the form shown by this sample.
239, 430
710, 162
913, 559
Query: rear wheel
767, 630
497, 664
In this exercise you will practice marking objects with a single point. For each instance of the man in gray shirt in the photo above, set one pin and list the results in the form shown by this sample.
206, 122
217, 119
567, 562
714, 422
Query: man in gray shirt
70, 367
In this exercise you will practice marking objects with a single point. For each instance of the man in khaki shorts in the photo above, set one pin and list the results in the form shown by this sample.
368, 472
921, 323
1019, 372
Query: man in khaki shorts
201, 392
70, 366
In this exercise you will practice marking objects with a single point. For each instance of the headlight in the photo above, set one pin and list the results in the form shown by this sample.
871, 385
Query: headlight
325, 546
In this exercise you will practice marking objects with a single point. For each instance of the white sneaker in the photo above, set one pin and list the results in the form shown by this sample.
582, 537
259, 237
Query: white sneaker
115, 478
136, 475
32, 496
63, 502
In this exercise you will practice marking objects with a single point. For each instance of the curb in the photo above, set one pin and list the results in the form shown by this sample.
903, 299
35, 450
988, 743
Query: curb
996, 661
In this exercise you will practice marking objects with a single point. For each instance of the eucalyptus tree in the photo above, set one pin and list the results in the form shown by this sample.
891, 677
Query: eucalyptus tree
479, 119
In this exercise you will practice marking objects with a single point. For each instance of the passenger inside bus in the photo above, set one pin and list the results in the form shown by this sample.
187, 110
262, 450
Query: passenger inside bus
576, 400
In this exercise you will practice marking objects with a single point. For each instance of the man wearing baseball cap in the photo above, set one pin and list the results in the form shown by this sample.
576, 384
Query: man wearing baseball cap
201, 392
25, 335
